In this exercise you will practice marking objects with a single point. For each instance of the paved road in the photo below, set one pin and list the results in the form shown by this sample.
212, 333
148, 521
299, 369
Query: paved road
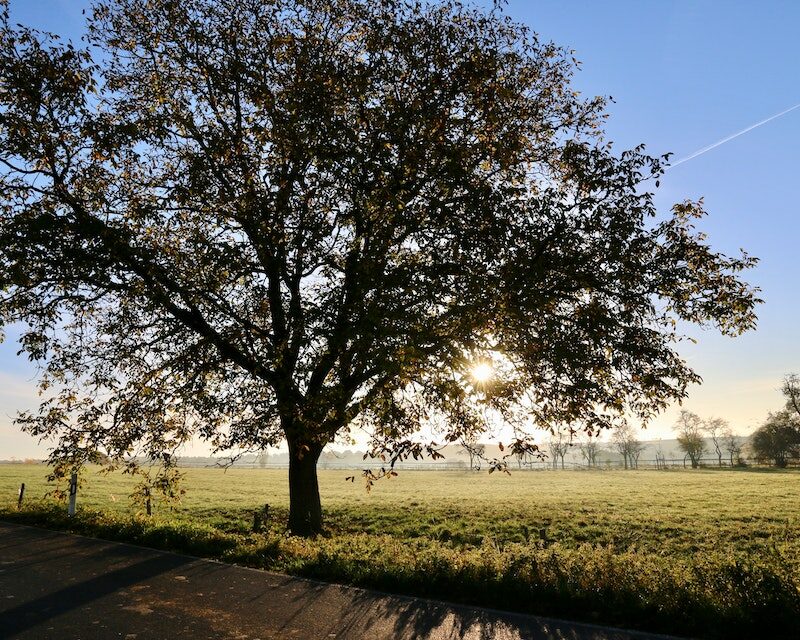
54, 585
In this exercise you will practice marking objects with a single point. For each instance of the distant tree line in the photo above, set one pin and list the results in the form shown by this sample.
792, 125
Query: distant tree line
775, 442
693, 435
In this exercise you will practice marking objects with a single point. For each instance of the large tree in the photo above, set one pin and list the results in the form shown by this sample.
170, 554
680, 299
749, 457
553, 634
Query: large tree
254, 221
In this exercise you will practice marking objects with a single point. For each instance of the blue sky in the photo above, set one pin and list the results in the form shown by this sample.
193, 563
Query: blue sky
683, 75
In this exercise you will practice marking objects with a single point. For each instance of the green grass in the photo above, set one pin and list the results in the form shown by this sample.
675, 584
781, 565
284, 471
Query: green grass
706, 553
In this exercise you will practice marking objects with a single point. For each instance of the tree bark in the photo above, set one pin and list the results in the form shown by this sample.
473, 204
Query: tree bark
305, 507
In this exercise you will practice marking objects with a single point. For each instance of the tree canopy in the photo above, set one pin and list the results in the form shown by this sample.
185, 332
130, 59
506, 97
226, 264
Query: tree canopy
256, 221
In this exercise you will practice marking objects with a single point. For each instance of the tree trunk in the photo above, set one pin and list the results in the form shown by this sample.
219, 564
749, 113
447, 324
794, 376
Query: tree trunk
305, 508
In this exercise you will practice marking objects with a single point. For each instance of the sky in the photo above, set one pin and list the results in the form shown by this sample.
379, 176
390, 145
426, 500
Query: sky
683, 76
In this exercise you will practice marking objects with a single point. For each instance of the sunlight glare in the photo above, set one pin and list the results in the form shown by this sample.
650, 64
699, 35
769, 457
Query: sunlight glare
482, 372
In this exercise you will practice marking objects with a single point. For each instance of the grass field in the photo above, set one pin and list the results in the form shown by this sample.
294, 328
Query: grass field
708, 553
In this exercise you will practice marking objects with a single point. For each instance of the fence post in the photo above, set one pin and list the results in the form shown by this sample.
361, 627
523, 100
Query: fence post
149, 508
73, 493
21, 496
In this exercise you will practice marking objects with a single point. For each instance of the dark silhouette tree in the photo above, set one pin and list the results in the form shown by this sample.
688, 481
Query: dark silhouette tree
791, 391
778, 439
255, 221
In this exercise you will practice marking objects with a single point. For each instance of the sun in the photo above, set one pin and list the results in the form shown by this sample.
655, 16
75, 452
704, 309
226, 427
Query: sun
482, 372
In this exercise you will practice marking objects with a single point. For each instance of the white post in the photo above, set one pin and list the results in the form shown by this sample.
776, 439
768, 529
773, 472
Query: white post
73, 493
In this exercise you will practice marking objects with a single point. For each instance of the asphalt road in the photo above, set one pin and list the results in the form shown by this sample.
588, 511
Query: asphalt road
59, 586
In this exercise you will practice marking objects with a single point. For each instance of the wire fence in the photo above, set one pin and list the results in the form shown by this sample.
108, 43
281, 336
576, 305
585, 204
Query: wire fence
513, 465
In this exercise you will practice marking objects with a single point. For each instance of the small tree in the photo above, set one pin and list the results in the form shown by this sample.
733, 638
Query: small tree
636, 451
778, 439
661, 460
590, 449
526, 457
689, 428
474, 450
733, 446
618, 442
716, 428
626, 443
557, 446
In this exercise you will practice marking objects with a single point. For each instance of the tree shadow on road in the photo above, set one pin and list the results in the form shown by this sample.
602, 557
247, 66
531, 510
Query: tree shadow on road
34, 612
371, 614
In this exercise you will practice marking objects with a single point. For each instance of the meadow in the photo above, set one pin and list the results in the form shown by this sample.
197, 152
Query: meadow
707, 553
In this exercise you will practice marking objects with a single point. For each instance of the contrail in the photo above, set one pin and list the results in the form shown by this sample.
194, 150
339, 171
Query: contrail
700, 152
